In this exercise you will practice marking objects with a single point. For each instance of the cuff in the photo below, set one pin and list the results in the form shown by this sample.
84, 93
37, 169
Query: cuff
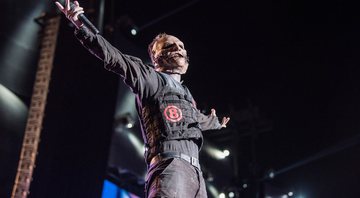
82, 33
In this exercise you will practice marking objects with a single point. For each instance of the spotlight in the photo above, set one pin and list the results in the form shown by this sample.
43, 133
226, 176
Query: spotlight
127, 24
129, 125
231, 194
124, 120
216, 153
226, 152
270, 174
222, 195
133, 31
245, 185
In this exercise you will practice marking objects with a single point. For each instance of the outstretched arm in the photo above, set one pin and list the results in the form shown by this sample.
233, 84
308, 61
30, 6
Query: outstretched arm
139, 77
211, 121
95, 43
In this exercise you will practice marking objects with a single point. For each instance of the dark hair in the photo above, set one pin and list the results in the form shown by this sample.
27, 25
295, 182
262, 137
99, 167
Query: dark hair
151, 45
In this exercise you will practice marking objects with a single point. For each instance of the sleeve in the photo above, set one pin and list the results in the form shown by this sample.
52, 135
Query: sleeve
141, 78
208, 122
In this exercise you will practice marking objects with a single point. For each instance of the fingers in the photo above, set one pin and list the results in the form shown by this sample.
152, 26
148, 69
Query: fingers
67, 5
59, 6
70, 12
77, 11
213, 112
65, 9
76, 15
225, 120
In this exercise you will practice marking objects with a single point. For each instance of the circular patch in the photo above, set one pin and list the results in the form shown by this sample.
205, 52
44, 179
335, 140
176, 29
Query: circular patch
173, 113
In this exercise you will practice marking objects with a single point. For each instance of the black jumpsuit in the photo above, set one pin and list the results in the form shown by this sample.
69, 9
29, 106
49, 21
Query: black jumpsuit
171, 124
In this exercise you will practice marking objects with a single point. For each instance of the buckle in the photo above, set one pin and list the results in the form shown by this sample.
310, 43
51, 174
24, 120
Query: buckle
194, 161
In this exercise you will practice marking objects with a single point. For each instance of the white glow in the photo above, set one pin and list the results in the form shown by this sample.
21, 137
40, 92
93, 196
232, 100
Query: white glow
13, 112
216, 153
231, 194
271, 174
133, 32
214, 192
226, 152
245, 185
284, 196
139, 146
11, 100
222, 195
126, 103
129, 125
290, 194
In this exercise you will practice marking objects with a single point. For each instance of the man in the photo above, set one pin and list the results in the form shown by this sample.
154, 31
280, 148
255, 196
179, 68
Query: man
171, 125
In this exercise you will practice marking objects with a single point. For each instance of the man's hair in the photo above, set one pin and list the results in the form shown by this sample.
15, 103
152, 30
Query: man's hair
151, 45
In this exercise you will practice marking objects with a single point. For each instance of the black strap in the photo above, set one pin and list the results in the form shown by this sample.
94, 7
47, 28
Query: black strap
172, 154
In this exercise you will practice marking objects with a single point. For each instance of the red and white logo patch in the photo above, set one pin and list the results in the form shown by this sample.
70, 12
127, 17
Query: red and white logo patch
173, 113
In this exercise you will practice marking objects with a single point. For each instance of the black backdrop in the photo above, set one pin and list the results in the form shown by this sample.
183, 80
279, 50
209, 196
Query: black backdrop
78, 121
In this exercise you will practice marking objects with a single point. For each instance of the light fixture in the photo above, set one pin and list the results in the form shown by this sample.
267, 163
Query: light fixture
124, 120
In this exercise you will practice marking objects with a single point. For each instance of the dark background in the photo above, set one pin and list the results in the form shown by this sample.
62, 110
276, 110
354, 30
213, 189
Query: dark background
285, 72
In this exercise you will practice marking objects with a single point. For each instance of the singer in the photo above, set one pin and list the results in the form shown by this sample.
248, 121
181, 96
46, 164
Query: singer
172, 126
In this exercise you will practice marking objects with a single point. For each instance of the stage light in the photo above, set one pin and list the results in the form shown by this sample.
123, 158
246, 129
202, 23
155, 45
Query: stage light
271, 174
133, 31
12, 111
231, 194
245, 185
11, 100
222, 195
212, 190
284, 196
290, 194
216, 153
128, 25
129, 125
124, 121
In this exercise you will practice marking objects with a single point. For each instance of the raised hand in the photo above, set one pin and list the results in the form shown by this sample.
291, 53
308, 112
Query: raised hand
224, 121
71, 12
